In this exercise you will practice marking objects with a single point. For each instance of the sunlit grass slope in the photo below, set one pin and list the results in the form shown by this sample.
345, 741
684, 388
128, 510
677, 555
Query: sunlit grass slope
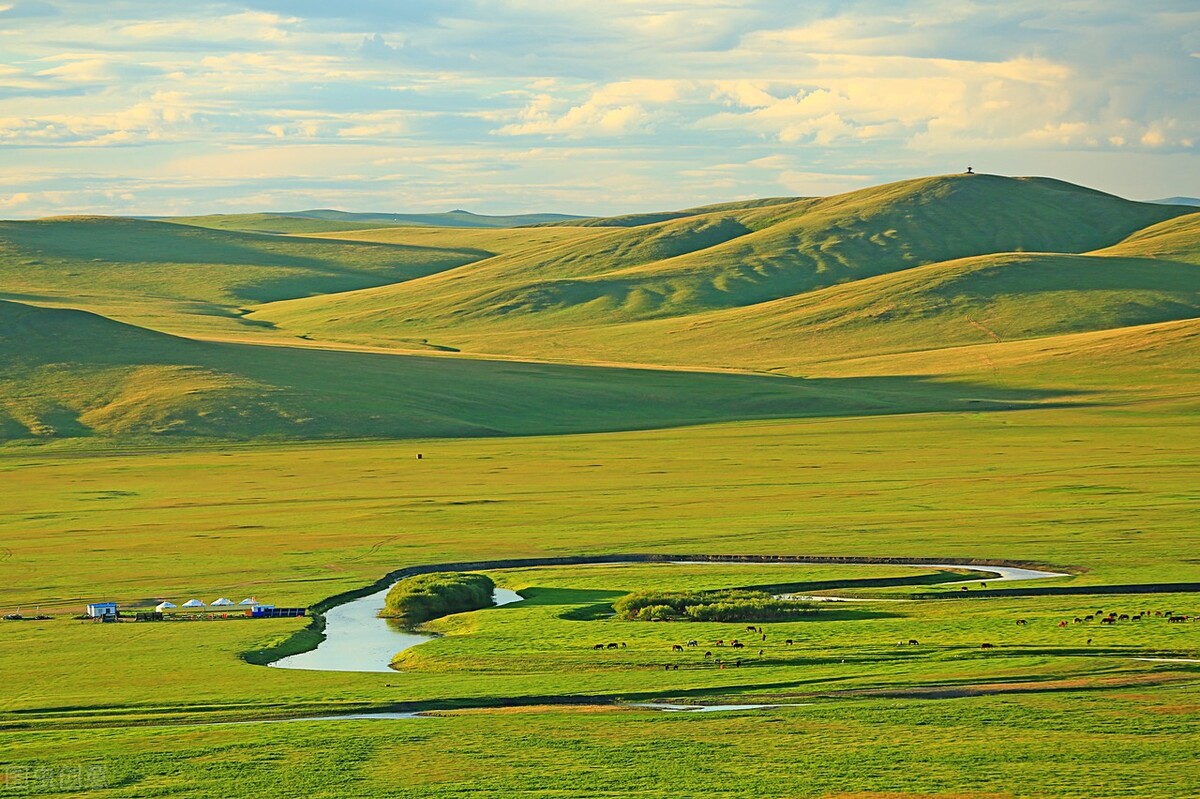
985, 299
71, 374
733, 258
175, 276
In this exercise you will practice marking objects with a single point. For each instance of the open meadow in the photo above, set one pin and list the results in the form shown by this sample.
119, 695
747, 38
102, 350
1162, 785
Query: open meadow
190, 408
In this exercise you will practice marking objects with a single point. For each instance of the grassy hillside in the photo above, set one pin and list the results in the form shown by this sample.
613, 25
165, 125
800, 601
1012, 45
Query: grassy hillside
731, 259
179, 277
72, 374
978, 300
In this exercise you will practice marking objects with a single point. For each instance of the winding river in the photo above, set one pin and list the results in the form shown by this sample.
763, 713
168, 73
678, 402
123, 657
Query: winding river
356, 639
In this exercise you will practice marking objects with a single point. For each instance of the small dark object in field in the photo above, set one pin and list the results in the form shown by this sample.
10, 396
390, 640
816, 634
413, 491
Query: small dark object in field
676, 648
1021, 622
913, 642
418, 456
987, 646
788, 641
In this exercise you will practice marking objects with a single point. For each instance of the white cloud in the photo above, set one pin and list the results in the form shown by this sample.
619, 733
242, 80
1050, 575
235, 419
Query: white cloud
468, 99
163, 117
249, 25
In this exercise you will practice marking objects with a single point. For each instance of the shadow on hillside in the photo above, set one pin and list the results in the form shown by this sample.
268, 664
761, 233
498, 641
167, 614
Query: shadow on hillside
135, 382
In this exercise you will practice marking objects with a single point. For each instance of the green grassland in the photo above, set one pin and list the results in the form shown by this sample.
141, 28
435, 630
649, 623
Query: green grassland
965, 368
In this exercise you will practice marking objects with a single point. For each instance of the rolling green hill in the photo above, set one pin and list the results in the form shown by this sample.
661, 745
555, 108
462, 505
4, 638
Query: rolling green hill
186, 278
72, 374
747, 258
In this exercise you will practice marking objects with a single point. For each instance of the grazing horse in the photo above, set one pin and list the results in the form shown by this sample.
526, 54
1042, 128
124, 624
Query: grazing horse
707, 655
720, 642
612, 646
1078, 620
788, 641
1177, 619
693, 643
1123, 617
1108, 620
751, 629
1089, 617
1062, 623
738, 645
987, 646
622, 644
676, 648
1021, 622
913, 642
598, 646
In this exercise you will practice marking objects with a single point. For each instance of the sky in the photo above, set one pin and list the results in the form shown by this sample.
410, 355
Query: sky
143, 107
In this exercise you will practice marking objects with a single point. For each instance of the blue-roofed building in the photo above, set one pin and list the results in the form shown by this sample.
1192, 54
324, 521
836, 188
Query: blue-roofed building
98, 610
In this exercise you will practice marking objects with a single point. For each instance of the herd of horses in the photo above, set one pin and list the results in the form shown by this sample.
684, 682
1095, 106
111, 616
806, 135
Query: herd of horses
1110, 618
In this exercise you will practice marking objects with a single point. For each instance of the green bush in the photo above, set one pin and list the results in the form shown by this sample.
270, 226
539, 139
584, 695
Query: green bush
731, 605
429, 596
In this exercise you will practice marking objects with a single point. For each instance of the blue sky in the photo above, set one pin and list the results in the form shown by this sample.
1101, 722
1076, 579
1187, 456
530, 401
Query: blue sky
138, 107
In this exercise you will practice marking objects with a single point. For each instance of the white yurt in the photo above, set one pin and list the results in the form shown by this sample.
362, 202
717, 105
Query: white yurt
222, 602
194, 603
161, 606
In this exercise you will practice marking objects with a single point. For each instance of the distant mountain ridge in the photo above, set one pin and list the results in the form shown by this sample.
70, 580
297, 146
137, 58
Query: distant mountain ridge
1194, 201
328, 220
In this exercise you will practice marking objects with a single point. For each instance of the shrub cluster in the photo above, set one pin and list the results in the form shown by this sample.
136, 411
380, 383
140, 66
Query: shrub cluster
729, 605
429, 596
